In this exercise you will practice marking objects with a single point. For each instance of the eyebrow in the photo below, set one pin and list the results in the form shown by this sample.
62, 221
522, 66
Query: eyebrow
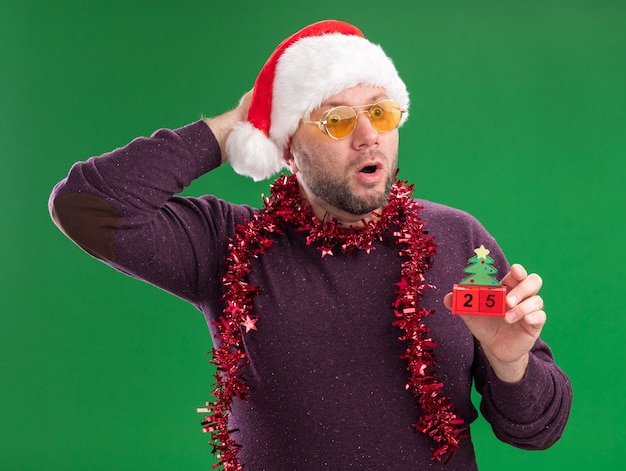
373, 99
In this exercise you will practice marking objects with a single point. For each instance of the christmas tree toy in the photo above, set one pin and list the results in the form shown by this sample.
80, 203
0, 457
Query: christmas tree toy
480, 294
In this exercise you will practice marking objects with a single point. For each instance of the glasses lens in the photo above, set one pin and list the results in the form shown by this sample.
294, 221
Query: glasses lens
340, 121
385, 115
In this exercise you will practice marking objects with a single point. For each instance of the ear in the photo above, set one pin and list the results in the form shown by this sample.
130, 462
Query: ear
288, 156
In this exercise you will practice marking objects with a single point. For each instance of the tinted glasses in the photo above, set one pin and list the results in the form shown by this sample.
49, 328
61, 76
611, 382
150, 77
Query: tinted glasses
340, 121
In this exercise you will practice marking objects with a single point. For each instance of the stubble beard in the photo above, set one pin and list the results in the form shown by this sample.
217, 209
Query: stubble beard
337, 192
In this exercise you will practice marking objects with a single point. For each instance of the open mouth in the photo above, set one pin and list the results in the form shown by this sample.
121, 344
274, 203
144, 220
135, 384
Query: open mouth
369, 169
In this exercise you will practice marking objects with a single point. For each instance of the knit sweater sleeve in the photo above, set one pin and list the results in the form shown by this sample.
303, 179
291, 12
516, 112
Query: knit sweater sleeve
532, 413
121, 208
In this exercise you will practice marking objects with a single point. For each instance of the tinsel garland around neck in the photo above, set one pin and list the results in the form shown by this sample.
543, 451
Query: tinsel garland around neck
400, 219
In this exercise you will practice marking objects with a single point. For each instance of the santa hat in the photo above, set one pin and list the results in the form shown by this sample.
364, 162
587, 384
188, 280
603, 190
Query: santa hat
310, 66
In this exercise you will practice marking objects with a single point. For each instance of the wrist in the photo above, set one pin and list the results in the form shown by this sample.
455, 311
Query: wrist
221, 126
508, 372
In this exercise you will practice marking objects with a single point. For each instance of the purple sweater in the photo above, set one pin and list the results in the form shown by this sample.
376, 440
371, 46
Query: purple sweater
327, 385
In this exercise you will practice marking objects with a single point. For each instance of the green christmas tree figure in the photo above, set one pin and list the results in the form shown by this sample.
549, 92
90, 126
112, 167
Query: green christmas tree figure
481, 269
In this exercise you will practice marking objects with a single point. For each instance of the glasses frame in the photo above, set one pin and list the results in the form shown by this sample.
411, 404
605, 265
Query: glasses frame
322, 123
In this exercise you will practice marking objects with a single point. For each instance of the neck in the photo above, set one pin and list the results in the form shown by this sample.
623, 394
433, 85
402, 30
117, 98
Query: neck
327, 213
342, 218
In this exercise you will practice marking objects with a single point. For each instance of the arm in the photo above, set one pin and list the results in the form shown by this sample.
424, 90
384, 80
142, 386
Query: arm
531, 413
120, 206
525, 396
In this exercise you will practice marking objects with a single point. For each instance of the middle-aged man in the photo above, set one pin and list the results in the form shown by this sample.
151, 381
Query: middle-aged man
329, 307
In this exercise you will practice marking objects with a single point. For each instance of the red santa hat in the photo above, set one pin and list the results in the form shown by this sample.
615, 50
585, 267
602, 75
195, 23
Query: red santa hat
315, 63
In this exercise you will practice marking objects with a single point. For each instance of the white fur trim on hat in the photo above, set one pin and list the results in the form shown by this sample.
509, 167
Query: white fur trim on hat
251, 153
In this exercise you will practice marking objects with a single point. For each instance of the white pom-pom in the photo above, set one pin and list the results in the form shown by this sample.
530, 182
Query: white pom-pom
251, 153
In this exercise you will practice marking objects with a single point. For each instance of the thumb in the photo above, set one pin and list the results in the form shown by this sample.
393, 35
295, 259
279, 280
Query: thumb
244, 105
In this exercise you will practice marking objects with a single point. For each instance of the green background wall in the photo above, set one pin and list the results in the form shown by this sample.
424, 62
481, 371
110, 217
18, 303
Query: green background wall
518, 116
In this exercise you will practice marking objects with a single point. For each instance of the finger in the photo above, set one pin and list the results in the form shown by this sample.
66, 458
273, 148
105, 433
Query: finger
525, 308
514, 276
526, 288
447, 301
536, 320
246, 98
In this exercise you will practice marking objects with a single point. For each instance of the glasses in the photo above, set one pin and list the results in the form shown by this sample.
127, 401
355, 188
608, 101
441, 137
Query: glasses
340, 121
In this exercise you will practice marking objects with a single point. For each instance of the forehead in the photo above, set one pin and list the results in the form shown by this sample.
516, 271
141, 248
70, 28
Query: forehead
359, 95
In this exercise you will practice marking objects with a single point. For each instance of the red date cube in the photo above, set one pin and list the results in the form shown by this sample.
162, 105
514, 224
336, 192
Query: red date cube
479, 300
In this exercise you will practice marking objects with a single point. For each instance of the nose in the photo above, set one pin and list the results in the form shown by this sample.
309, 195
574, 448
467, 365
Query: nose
364, 134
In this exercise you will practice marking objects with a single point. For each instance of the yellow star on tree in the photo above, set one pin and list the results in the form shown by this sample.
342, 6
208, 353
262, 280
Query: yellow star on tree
481, 252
